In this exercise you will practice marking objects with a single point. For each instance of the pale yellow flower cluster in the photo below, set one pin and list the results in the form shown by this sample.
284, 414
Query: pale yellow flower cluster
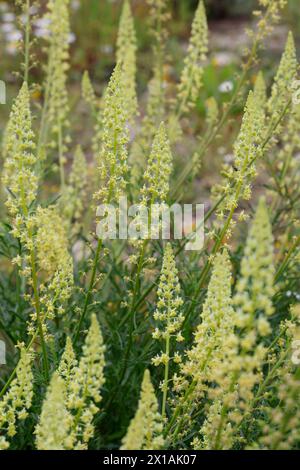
239, 369
145, 429
55, 263
255, 286
16, 402
167, 314
238, 178
75, 390
84, 381
19, 167
88, 92
213, 331
159, 169
214, 338
267, 18
54, 429
74, 194
191, 77
281, 431
126, 56
58, 64
155, 110
260, 89
282, 89
113, 153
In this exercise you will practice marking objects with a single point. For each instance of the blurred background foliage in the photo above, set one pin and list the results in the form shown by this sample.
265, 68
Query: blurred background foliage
94, 33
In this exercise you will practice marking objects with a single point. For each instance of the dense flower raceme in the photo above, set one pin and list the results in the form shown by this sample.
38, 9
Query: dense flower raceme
191, 77
219, 329
247, 149
126, 55
212, 337
145, 429
16, 402
19, 167
282, 88
55, 263
112, 155
72, 399
59, 28
74, 194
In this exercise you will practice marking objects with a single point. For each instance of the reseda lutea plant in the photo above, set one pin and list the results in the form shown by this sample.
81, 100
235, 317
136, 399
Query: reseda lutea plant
140, 344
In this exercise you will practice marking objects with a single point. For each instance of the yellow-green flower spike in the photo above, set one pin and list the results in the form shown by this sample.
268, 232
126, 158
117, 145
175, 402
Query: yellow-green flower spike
238, 178
53, 431
191, 77
19, 167
85, 388
167, 314
168, 317
255, 287
145, 429
282, 89
159, 168
56, 94
88, 92
260, 89
16, 402
113, 154
126, 56
216, 324
59, 26
72, 201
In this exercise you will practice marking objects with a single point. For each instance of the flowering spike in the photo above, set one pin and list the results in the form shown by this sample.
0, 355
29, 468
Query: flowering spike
112, 156
88, 92
58, 58
191, 77
54, 261
145, 429
67, 366
126, 55
255, 287
216, 323
19, 176
74, 193
260, 89
155, 112
247, 149
16, 402
53, 432
282, 87
84, 393
159, 168
168, 315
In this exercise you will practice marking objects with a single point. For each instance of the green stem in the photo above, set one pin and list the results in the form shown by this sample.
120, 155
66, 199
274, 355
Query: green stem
166, 377
27, 42
89, 291
61, 156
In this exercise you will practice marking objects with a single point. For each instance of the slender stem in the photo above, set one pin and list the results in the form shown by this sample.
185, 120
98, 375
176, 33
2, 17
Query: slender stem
132, 310
35, 283
61, 156
38, 313
89, 291
27, 42
166, 378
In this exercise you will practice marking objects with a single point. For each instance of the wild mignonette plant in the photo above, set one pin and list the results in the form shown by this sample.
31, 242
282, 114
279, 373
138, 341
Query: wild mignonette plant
135, 342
